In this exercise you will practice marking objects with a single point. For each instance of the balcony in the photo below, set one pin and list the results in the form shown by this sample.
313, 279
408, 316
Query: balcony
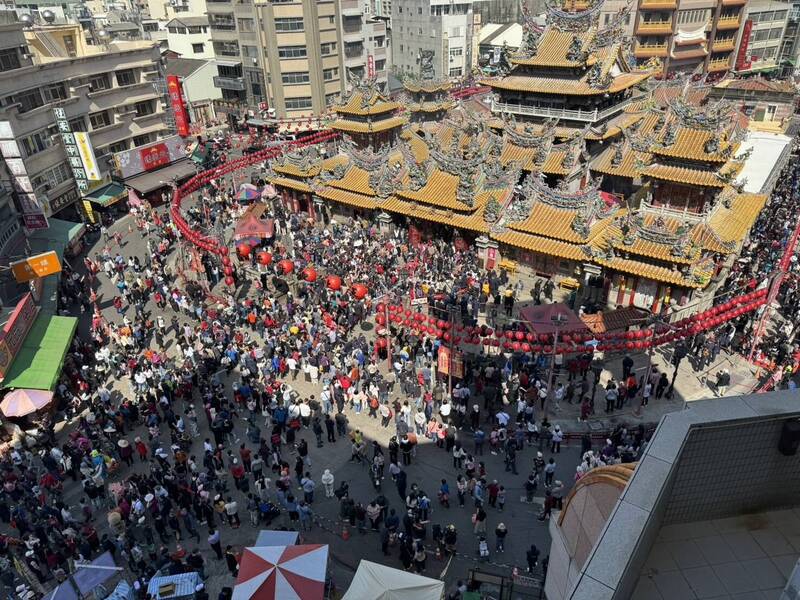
586, 116
658, 4
724, 44
716, 66
728, 23
654, 28
350, 8
734, 2
229, 83
222, 26
353, 51
650, 50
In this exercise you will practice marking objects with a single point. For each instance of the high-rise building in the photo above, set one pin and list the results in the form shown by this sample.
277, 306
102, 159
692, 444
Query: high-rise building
432, 34
763, 41
293, 57
687, 35
109, 91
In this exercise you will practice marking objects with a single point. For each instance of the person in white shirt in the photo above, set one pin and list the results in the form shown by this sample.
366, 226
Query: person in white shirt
502, 418
444, 411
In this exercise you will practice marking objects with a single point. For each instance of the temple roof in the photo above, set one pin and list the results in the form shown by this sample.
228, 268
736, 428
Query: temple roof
564, 86
427, 86
364, 98
350, 126
559, 49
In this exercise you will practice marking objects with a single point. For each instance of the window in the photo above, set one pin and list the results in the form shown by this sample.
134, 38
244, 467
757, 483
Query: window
456, 52
247, 25
33, 144
250, 52
196, 29
9, 59
292, 52
328, 74
198, 48
327, 48
255, 87
380, 65
298, 103
289, 24
100, 119
78, 124
761, 35
401, 47
125, 77
141, 140
226, 48
456, 72
52, 177
455, 32
54, 92
99, 82
292, 78
118, 147
769, 53
147, 107
775, 33
693, 16
419, 10
29, 100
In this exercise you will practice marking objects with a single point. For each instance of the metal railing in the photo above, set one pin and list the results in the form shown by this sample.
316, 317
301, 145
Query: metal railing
686, 215
587, 116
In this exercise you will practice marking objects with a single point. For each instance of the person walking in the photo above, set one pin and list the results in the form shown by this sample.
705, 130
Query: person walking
479, 521
231, 561
500, 537
556, 439
214, 542
327, 483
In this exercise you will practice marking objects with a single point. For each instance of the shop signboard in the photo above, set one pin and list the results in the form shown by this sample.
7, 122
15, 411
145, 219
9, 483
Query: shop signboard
443, 360
175, 92
33, 213
31, 267
14, 331
81, 161
148, 158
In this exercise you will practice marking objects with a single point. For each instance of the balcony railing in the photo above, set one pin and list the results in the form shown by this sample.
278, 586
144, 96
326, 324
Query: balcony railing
587, 116
350, 7
222, 26
229, 83
728, 22
650, 50
686, 215
654, 27
723, 44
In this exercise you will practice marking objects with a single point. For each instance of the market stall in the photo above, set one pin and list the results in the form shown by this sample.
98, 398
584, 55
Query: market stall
374, 581
282, 573
174, 587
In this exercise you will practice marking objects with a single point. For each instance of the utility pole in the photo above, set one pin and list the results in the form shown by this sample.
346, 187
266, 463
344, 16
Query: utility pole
451, 317
558, 320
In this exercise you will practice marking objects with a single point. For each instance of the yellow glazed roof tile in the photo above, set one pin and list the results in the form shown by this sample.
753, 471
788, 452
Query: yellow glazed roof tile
542, 245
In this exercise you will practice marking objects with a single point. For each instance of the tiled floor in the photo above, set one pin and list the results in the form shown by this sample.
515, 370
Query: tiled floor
742, 558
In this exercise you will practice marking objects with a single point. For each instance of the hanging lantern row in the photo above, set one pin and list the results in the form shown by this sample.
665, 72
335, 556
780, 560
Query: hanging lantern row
570, 342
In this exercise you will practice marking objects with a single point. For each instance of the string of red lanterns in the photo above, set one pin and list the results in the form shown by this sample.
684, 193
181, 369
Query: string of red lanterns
571, 342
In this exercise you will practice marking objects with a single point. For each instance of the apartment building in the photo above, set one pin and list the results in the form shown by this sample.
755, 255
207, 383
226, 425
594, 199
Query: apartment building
190, 37
365, 43
107, 91
437, 30
687, 34
762, 42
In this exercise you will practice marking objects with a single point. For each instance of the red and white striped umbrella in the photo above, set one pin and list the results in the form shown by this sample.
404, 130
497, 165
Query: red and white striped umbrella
282, 573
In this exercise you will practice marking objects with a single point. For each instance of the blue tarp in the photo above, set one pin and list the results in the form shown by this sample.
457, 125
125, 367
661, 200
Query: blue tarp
86, 578
185, 584
267, 537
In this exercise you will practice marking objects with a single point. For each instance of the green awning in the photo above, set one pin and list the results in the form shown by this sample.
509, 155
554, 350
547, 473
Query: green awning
56, 237
106, 195
37, 365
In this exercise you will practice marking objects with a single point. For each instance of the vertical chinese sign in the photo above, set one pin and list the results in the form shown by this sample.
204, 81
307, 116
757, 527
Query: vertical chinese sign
33, 215
79, 152
175, 91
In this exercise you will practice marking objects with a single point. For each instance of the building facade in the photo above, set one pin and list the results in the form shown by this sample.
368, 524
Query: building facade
761, 42
432, 34
108, 92
689, 35
190, 37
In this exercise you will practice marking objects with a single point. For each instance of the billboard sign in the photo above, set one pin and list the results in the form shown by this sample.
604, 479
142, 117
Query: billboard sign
743, 61
175, 92
82, 170
32, 267
33, 213
150, 157
15, 330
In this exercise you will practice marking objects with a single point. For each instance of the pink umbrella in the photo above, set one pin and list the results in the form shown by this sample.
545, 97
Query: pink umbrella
282, 573
24, 402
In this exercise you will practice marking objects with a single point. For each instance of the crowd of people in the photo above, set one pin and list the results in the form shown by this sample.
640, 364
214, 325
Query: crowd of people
190, 415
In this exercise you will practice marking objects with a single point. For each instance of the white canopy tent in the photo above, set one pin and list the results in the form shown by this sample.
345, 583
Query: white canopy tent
379, 582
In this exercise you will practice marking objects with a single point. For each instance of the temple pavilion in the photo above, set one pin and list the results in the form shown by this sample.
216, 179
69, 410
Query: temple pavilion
586, 172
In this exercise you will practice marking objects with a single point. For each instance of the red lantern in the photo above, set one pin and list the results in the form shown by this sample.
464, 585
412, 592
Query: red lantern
516, 346
380, 319
526, 347
310, 275
382, 342
509, 335
566, 339
334, 282
446, 336
530, 337
379, 269
441, 324
244, 249
286, 266
420, 318
226, 261
519, 336
264, 258
223, 251
229, 281
638, 344
629, 345
228, 271
536, 348
548, 349
486, 330
544, 338
380, 307
431, 319
507, 345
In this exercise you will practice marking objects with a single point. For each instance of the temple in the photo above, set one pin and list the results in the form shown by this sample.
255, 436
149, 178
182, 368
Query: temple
624, 189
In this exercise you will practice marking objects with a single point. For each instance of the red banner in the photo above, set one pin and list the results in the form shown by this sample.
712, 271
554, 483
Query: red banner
175, 91
443, 362
370, 66
155, 156
743, 61
15, 330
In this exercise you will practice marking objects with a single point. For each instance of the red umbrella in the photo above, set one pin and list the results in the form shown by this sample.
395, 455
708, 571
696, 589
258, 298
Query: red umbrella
282, 573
